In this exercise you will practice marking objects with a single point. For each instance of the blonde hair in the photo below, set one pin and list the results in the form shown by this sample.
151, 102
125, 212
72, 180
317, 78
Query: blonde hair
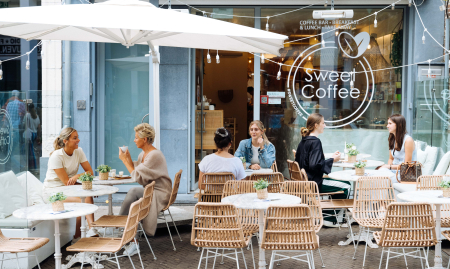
261, 127
63, 135
145, 130
313, 119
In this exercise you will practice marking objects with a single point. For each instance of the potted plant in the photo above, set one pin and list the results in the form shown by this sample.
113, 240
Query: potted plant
243, 162
86, 181
352, 153
103, 171
360, 168
445, 185
261, 188
56, 200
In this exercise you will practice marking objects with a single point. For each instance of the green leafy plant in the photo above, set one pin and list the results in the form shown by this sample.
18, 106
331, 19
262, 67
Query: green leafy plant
360, 164
349, 146
243, 159
86, 177
103, 168
396, 54
444, 184
261, 184
353, 152
57, 197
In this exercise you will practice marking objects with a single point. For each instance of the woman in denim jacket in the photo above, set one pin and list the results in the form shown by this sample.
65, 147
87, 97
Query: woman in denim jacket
257, 151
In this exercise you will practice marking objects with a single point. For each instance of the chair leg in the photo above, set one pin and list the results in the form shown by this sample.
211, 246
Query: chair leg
215, 256
381, 259
404, 255
243, 257
253, 255
320, 254
361, 229
312, 259
426, 257
223, 252
145, 235
170, 234
420, 257
37, 261
387, 259
82, 261
206, 264
349, 221
176, 229
272, 260
17, 260
201, 257
128, 254
237, 257
117, 260
139, 252
1, 261
365, 249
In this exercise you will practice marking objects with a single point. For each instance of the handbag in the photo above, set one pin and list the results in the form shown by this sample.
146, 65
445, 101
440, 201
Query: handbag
409, 172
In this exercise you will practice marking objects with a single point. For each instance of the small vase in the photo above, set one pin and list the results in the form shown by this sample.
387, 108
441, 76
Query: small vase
262, 194
360, 171
446, 192
58, 206
86, 185
103, 176
352, 158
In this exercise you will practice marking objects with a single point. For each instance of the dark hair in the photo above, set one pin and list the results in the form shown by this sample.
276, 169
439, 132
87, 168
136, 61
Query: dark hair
400, 132
222, 138
313, 119
32, 111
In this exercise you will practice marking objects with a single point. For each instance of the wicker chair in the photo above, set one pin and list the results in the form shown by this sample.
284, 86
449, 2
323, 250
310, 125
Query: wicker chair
295, 173
109, 221
13, 246
213, 186
274, 167
431, 183
289, 229
112, 245
407, 225
173, 197
275, 180
216, 226
373, 195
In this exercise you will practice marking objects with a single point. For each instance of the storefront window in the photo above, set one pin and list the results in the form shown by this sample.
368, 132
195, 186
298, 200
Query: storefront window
319, 80
242, 16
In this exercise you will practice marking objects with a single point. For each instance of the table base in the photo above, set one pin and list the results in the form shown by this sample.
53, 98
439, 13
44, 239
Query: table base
362, 239
89, 258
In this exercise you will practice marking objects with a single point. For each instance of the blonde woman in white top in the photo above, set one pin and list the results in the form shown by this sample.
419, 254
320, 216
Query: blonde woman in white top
62, 169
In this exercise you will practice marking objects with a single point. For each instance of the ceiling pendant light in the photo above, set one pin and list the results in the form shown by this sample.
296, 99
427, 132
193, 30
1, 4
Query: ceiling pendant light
208, 58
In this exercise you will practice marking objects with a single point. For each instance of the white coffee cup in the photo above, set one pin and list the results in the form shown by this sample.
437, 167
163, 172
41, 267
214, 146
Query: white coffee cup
211, 107
113, 173
121, 173
124, 149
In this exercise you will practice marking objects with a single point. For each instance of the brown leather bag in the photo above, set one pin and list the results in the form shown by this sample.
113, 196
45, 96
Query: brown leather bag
409, 172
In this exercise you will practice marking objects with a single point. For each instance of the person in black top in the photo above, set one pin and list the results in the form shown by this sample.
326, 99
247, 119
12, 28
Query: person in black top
310, 157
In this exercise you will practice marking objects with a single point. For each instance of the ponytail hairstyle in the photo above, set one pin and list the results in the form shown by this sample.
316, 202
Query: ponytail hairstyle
313, 119
400, 132
261, 127
222, 138
63, 135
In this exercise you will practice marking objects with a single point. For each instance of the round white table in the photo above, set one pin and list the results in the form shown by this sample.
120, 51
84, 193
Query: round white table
43, 212
250, 201
359, 156
369, 163
249, 172
432, 198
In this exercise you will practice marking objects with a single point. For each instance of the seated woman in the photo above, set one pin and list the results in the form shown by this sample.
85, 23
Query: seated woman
401, 146
150, 166
62, 170
257, 150
310, 157
221, 161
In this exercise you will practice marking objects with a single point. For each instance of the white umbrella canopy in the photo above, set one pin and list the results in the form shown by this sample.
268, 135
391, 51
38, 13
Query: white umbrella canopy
131, 22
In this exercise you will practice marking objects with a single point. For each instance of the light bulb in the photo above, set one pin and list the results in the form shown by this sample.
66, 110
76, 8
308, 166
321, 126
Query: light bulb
208, 58
336, 33
217, 58
375, 22
301, 54
409, 3
323, 43
309, 58
368, 47
27, 65
262, 58
279, 73
393, 6
1, 74
326, 3
250, 61
423, 37
267, 24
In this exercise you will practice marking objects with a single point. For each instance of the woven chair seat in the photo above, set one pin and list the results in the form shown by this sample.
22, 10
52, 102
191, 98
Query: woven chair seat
15, 245
97, 244
110, 221
250, 229
371, 223
336, 203
221, 244
295, 244
408, 243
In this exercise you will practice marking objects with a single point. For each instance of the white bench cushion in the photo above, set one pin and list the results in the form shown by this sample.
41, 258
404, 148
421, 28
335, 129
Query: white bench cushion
443, 165
13, 195
404, 187
428, 159
12, 222
33, 186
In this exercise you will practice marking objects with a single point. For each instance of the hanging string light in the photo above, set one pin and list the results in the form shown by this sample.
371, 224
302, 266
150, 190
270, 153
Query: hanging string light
208, 58
423, 36
217, 57
326, 3
267, 24
375, 22
323, 42
27, 65
279, 73
393, 6
352, 79
262, 58
336, 33
301, 54
409, 2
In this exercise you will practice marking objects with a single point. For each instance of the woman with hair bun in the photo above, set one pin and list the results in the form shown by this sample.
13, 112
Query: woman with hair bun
221, 161
257, 150
310, 157
62, 170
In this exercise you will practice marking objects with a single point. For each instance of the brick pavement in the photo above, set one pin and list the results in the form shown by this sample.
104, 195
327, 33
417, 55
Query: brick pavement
186, 256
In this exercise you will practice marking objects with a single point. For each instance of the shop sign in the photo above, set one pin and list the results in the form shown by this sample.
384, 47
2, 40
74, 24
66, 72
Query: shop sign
9, 45
276, 94
326, 24
6, 140
274, 101
264, 99
353, 47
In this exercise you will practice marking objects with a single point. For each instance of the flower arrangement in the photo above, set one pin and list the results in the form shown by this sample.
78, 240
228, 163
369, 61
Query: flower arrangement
360, 164
103, 170
353, 151
445, 185
86, 180
360, 168
56, 200
261, 188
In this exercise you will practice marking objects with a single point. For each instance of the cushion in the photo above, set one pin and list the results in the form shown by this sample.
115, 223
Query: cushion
430, 162
12, 193
421, 156
33, 186
16, 223
404, 187
443, 165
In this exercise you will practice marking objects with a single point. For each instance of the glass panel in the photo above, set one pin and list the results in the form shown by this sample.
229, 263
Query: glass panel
126, 99
226, 14
33, 132
356, 115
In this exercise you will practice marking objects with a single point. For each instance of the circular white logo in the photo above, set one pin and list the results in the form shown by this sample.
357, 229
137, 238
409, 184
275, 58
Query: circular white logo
6, 140
352, 47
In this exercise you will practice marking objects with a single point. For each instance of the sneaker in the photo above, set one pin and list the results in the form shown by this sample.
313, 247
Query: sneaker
92, 232
75, 240
330, 224
131, 249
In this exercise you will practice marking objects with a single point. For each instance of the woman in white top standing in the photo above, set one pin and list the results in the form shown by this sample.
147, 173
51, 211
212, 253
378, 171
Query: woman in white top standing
32, 122
62, 169
221, 161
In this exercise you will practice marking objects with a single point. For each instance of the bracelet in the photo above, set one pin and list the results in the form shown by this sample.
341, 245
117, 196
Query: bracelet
390, 167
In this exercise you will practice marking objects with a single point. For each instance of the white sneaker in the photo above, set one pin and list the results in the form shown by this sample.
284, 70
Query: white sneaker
131, 249
330, 224
92, 232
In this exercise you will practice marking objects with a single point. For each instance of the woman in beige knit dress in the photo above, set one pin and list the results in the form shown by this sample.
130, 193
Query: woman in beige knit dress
150, 166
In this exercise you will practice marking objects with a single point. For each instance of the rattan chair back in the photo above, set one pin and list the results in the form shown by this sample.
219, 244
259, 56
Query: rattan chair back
146, 200
274, 167
233, 187
213, 186
216, 225
295, 172
176, 186
373, 195
430, 182
289, 227
129, 232
308, 192
275, 180
408, 225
